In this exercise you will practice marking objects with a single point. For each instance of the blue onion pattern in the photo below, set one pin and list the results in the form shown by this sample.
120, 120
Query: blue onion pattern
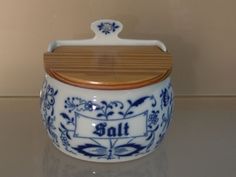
158, 117
158, 120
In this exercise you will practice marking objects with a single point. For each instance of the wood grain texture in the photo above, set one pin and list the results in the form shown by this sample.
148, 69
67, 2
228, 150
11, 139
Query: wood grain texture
108, 67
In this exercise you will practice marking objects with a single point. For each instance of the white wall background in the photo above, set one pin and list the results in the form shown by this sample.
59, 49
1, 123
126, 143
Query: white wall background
201, 35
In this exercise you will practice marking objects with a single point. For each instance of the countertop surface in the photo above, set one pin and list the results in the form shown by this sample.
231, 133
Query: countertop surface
200, 142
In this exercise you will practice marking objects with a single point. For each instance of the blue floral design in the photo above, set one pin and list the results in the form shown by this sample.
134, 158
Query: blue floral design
88, 106
165, 97
107, 27
166, 116
104, 109
157, 119
153, 117
47, 106
65, 137
154, 126
48, 97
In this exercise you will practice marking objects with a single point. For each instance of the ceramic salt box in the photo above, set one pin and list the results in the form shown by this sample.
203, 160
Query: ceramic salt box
107, 99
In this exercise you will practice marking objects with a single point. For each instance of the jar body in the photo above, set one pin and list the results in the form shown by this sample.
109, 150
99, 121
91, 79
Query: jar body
106, 125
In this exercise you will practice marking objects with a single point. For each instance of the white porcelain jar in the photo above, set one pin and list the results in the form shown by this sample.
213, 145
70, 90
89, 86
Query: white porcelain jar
103, 124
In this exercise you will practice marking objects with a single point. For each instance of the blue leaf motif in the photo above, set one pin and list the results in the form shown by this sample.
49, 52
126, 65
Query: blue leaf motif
128, 149
68, 136
104, 102
130, 112
130, 102
63, 126
134, 104
91, 150
121, 113
150, 136
97, 108
110, 106
55, 93
65, 116
52, 113
110, 113
140, 101
114, 103
100, 115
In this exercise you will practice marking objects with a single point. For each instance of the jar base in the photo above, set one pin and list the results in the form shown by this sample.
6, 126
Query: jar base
126, 159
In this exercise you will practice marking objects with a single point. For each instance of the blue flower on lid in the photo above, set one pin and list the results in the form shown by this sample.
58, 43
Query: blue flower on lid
107, 27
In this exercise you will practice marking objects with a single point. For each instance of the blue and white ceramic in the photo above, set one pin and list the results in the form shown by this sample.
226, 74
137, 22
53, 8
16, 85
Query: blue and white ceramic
106, 125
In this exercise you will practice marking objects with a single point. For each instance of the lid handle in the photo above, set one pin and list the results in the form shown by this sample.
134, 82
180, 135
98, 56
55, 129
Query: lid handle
106, 28
106, 34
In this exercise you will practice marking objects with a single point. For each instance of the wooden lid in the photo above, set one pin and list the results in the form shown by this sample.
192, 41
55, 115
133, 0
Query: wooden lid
108, 67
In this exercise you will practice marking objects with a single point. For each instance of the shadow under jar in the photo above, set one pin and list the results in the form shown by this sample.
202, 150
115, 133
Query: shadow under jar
107, 99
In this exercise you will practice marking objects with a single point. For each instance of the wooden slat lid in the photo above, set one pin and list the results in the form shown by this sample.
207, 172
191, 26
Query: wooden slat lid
108, 62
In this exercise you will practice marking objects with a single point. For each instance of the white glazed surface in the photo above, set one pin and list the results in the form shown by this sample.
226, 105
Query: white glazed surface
72, 116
